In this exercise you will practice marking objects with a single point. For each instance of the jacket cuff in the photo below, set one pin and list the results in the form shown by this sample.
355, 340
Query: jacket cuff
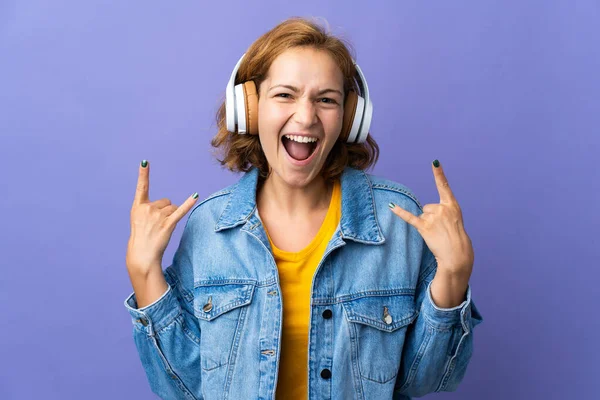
446, 318
155, 316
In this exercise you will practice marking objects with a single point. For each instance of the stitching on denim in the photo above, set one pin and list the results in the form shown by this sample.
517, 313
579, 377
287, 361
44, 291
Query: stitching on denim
423, 275
373, 380
398, 190
169, 369
218, 225
360, 295
212, 196
176, 283
217, 365
234, 350
420, 354
373, 209
219, 282
356, 317
191, 335
354, 357
217, 312
452, 363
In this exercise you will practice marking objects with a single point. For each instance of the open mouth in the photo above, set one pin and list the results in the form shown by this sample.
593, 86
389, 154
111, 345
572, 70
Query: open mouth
299, 148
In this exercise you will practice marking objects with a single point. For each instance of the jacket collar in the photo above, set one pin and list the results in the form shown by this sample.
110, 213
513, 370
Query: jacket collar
358, 220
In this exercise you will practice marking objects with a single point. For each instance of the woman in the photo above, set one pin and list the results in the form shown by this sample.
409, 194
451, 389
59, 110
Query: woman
298, 281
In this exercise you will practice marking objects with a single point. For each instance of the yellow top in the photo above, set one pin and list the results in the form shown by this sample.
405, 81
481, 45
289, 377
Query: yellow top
296, 271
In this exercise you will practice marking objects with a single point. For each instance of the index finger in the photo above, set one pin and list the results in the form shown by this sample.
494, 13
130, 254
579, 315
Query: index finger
143, 183
446, 195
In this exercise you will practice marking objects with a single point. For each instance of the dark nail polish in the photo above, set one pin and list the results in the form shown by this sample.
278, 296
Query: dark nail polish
436, 163
144, 163
391, 205
195, 195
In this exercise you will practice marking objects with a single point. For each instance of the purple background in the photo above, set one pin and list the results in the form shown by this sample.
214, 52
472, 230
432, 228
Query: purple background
505, 94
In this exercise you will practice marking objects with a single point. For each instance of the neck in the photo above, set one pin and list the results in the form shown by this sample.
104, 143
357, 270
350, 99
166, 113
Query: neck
276, 197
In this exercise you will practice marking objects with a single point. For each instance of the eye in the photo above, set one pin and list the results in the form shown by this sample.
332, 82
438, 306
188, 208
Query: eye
331, 101
283, 94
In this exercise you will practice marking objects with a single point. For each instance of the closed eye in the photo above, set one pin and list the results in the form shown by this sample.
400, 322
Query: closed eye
329, 100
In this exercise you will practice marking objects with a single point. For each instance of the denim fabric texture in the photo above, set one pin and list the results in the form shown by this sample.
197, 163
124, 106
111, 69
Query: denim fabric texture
216, 332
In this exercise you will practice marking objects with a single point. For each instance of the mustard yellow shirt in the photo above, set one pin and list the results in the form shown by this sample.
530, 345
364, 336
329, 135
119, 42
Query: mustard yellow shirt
296, 270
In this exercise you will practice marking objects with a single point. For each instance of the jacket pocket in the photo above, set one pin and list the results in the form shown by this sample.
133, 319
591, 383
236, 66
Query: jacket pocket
377, 326
221, 310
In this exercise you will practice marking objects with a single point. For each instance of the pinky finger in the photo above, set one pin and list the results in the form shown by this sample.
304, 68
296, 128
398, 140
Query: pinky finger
184, 208
406, 215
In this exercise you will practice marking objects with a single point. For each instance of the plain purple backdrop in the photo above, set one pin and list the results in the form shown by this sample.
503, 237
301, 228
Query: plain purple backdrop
506, 94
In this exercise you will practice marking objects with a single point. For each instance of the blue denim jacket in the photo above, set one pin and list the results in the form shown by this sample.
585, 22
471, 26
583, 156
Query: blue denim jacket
216, 332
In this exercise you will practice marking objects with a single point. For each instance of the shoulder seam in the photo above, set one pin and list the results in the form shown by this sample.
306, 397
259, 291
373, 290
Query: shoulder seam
393, 188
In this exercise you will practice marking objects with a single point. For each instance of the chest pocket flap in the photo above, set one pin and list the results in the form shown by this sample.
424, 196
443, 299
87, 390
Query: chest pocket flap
384, 312
213, 300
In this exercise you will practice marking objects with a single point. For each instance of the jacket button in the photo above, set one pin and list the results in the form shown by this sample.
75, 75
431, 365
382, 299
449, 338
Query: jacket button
327, 314
386, 316
325, 373
208, 306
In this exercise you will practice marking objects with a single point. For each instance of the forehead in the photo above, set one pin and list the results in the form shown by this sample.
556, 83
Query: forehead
306, 67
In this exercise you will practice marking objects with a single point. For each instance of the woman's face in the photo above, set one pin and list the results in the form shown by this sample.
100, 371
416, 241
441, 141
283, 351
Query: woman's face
303, 94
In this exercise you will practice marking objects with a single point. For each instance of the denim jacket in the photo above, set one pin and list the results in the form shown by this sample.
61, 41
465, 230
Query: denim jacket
374, 331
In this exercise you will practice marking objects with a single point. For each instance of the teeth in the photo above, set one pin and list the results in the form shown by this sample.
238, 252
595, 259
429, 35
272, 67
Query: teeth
301, 139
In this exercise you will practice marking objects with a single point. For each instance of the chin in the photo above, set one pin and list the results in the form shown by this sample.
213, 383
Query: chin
297, 178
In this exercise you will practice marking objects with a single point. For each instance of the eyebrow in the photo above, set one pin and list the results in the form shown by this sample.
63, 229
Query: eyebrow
295, 89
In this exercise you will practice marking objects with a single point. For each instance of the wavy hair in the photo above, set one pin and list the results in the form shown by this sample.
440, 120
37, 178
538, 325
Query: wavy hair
242, 152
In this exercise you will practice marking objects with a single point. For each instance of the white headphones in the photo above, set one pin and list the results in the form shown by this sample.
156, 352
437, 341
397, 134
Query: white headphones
241, 108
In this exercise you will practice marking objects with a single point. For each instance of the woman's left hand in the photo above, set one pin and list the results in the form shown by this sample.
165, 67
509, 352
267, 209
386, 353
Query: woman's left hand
441, 226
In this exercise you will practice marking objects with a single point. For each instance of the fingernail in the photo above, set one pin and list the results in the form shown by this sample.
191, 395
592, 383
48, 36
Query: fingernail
391, 205
436, 163
144, 163
195, 195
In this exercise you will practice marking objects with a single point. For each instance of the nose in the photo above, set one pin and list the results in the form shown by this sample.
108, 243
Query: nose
305, 113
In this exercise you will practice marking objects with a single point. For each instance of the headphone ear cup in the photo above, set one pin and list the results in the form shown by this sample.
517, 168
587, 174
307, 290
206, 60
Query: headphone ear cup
365, 123
349, 114
251, 107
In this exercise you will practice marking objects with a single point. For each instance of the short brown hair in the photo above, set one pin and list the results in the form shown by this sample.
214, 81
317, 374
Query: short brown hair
242, 152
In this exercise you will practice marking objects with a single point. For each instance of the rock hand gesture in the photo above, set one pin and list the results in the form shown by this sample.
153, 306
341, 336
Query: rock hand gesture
442, 229
152, 224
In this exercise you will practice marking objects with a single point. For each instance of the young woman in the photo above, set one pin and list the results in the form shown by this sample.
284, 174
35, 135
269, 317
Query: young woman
308, 278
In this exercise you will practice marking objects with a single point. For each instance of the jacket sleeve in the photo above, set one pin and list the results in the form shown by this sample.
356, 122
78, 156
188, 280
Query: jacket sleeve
167, 335
439, 343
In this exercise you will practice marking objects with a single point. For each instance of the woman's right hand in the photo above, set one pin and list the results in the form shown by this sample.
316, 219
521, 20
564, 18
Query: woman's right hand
152, 224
